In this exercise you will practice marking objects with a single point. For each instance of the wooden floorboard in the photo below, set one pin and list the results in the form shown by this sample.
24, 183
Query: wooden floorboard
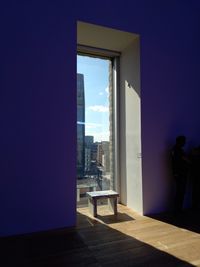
126, 239
129, 239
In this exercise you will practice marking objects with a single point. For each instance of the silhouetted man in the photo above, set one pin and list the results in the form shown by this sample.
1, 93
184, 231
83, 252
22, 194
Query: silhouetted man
180, 171
195, 176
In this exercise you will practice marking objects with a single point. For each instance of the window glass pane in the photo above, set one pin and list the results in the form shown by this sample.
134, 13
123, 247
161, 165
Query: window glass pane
94, 126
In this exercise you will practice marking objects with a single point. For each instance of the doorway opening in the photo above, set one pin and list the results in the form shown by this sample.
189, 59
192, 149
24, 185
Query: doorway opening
123, 49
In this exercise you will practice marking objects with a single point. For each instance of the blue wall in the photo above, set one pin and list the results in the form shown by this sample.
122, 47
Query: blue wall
38, 101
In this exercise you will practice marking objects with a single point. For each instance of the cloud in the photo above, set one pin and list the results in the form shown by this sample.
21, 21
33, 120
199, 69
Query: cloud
107, 90
98, 108
80, 122
101, 93
91, 125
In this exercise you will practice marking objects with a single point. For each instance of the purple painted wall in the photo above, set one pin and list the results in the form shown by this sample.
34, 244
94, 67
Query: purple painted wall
38, 101
170, 93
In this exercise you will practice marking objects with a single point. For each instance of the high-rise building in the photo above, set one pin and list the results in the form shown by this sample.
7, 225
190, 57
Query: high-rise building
87, 160
80, 126
103, 155
94, 151
89, 140
99, 153
106, 156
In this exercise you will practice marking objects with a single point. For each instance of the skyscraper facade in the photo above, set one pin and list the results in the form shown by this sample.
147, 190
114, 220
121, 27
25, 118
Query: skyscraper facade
89, 140
80, 126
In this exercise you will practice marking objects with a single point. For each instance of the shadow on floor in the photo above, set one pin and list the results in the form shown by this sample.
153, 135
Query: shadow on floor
120, 217
187, 219
113, 248
53, 248
90, 245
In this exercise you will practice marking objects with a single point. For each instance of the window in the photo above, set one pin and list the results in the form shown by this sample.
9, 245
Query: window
95, 121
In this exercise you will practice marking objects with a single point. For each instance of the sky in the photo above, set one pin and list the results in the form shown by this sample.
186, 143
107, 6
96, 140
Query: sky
96, 81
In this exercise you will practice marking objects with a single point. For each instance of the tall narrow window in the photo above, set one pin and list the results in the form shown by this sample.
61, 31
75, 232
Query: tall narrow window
95, 137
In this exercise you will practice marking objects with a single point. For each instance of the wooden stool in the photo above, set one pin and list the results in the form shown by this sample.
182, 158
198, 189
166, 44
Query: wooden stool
94, 196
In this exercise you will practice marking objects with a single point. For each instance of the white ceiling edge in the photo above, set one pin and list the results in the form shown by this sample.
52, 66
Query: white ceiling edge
103, 37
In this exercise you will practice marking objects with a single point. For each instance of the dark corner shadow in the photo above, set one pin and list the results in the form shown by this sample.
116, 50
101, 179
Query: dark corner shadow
111, 247
61, 247
187, 219
120, 217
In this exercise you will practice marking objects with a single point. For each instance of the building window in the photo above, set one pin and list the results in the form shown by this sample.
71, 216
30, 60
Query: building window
95, 121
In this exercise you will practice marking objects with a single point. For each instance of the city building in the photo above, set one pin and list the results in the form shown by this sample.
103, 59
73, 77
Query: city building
106, 157
80, 126
89, 140
99, 153
94, 150
87, 160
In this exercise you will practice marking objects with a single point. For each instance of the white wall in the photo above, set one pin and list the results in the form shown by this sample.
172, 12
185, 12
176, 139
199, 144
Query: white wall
130, 125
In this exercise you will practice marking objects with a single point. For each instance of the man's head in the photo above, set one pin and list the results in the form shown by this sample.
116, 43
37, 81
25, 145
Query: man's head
180, 140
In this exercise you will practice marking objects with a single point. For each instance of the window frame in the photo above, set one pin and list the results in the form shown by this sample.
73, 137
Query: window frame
114, 56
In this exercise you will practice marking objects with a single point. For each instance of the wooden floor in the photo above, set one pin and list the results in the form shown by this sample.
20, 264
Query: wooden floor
126, 239
129, 239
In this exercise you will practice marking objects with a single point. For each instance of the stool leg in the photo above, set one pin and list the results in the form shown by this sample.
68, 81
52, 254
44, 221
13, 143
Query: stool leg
92, 203
78, 195
112, 204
